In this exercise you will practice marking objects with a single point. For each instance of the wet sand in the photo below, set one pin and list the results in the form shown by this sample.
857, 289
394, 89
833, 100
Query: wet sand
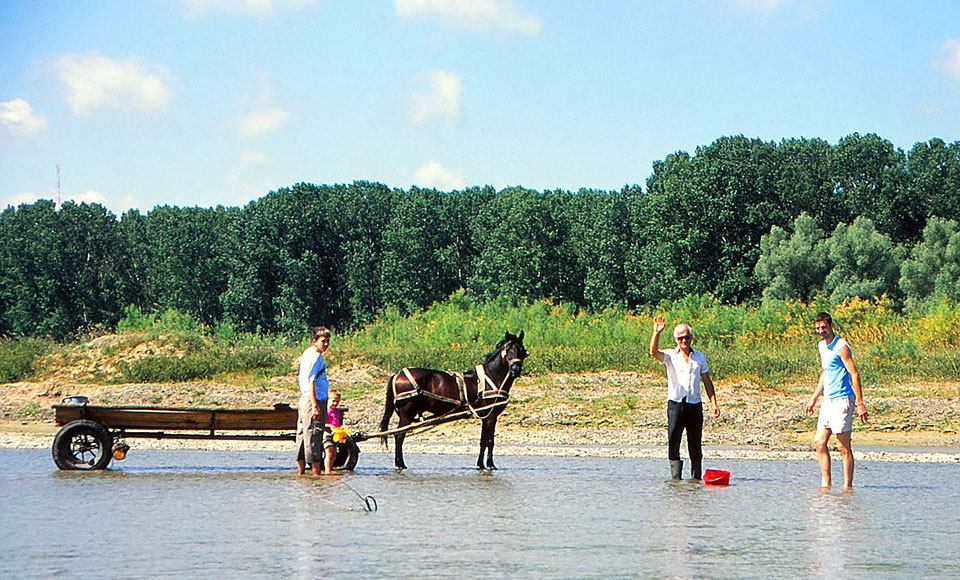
463, 440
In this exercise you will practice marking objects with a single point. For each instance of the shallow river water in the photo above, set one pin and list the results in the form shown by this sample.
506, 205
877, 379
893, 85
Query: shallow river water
237, 515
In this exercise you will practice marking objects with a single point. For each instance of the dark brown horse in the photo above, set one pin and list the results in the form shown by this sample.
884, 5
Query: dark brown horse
483, 391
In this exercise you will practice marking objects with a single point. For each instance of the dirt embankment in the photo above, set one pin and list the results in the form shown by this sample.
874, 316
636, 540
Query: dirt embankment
589, 412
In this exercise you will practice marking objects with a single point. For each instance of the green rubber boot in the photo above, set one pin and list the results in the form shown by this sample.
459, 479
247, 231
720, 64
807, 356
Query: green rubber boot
676, 468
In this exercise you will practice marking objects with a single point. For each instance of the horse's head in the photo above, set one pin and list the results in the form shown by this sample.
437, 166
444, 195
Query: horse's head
513, 352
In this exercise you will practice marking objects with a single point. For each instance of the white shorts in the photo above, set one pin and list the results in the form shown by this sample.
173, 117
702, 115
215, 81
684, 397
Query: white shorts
837, 414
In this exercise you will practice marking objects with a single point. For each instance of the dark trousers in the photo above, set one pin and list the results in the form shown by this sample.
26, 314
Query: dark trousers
682, 416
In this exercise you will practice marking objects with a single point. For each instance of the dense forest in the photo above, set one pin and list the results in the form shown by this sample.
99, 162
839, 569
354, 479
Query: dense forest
741, 219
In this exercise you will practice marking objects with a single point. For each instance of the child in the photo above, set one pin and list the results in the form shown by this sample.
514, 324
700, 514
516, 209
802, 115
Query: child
334, 419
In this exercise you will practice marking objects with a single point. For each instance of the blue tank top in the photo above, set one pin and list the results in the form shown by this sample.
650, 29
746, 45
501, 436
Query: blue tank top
836, 379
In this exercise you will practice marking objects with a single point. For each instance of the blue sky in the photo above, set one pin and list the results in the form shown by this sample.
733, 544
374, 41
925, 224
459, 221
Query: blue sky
206, 102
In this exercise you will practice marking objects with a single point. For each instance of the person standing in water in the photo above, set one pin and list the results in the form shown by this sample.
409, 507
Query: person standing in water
686, 369
839, 384
312, 408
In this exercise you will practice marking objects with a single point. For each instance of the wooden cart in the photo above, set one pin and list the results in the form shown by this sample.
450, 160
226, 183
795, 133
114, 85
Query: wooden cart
92, 435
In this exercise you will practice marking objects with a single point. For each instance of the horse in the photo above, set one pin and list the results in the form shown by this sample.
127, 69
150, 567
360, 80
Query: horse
482, 391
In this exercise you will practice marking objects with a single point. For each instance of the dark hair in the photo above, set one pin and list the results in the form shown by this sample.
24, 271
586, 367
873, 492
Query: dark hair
823, 317
319, 331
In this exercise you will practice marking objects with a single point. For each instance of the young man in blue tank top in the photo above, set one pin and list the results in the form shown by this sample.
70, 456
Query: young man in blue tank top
840, 386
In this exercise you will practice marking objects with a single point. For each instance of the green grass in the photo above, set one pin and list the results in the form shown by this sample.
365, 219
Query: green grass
204, 362
771, 345
20, 358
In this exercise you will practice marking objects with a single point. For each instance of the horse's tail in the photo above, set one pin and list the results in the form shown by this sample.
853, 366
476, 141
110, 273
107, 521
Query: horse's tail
388, 409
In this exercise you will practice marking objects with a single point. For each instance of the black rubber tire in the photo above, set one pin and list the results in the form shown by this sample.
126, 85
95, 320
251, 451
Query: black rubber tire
347, 456
83, 445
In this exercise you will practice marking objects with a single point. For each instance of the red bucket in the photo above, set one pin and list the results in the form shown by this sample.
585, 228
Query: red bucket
716, 477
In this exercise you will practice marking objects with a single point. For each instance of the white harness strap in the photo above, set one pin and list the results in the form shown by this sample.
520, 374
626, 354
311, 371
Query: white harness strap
416, 390
487, 389
397, 395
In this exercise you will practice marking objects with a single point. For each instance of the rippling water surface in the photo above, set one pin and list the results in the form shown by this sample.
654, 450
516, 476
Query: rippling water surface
183, 514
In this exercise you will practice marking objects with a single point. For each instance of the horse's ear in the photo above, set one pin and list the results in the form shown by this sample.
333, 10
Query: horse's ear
507, 335
520, 338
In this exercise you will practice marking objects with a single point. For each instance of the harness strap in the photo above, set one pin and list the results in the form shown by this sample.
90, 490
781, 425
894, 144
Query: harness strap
490, 389
416, 390
406, 394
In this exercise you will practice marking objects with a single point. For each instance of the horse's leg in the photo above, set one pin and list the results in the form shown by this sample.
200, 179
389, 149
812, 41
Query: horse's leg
490, 436
398, 442
485, 441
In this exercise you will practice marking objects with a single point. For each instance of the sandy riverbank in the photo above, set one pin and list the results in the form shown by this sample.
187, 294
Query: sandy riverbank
612, 414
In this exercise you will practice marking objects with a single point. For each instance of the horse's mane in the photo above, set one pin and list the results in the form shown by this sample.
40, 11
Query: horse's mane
496, 351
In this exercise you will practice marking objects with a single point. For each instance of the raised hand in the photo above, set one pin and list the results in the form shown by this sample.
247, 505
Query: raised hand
659, 323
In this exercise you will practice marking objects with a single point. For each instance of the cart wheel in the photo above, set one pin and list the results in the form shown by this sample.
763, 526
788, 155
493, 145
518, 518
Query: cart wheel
347, 456
82, 445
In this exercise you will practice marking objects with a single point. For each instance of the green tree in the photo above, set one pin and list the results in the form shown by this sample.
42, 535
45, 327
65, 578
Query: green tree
60, 270
186, 270
413, 274
704, 218
804, 183
864, 262
933, 268
597, 223
286, 267
358, 214
518, 237
793, 265
870, 180
459, 211
934, 175
637, 246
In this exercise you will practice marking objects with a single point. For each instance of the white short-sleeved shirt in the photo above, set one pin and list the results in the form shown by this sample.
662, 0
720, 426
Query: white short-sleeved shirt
313, 374
683, 378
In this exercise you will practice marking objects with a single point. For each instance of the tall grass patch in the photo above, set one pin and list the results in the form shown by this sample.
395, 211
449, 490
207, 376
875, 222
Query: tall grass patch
20, 357
769, 344
203, 352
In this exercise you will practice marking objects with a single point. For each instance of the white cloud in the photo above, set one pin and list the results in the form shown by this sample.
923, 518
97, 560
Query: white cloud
261, 116
94, 81
258, 8
435, 175
25, 197
948, 59
17, 118
89, 196
261, 123
483, 15
439, 96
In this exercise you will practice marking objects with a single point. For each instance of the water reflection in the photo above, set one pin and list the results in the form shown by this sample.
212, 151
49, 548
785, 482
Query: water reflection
833, 517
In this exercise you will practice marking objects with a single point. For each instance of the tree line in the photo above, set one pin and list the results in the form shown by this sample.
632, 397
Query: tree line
741, 219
